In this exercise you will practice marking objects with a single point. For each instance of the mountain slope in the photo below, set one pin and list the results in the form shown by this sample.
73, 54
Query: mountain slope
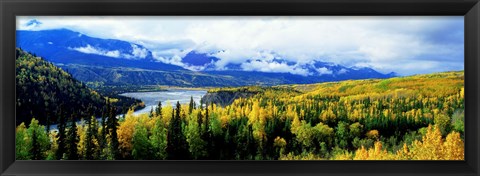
424, 85
69, 47
43, 89
117, 62
136, 76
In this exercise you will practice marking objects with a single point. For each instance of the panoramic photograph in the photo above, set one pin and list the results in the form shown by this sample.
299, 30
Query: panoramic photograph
240, 88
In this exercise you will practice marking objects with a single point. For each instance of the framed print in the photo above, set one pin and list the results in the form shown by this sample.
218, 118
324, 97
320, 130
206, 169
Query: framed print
253, 87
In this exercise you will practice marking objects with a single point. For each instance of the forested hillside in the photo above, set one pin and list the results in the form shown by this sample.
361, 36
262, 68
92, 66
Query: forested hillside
406, 118
45, 91
137, 76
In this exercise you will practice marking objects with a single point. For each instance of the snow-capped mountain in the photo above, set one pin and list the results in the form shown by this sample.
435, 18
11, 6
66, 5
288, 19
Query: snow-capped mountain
120, 62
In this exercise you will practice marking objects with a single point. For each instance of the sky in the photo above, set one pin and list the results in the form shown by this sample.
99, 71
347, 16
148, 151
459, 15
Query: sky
406, 45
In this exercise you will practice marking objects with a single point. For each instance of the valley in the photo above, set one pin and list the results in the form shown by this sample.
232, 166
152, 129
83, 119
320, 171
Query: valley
387, 119
112, 99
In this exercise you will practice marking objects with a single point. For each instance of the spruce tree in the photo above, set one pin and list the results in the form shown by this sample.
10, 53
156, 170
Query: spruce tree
200, 121
171, 137
103, 133
89, 146
112, 126
177, 146
35, 149
158, 111
38, 140
191, 105
72, 140
150, 115
61, 134
48, 121
207, 133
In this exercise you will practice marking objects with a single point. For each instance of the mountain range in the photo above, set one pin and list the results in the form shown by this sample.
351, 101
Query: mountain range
117, 62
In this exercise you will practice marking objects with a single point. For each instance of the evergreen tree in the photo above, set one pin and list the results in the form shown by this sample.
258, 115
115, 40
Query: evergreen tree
39, 140
72, 140
191, 105
35, 149
207, 133
90, 146
61, 134
150, 115
158, 111
177, 146
103, 133
200, 121
124, 111
207, 119
112, 126
48, 121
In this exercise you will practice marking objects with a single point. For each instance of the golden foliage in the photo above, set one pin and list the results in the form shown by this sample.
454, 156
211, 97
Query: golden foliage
373, 134
453, 148
375, 153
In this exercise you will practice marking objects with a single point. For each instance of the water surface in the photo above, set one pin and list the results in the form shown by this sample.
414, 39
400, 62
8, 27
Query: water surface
151, 99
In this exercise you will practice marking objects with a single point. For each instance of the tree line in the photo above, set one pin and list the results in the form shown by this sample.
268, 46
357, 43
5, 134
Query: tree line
259, 128
416, 117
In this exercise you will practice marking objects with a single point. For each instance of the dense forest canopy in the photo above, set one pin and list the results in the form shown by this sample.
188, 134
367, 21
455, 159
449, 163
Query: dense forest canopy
44, 90
418, 117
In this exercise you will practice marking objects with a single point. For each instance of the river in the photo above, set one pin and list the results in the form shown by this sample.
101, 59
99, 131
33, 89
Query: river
151, 99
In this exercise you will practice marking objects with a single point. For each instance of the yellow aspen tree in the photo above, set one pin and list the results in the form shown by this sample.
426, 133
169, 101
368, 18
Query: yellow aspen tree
52, 135
81, 133
295, 124
403, 154
254, 114
377, 152
453, 148
431, 146
343, 156
373, 134
125, 135
361, 154
462, 92
280, 144
167, 113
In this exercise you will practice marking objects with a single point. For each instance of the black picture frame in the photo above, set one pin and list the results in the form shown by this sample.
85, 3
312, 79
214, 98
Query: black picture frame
9, 9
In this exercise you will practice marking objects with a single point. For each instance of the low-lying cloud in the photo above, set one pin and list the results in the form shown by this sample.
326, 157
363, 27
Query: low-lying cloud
137, 52
266, 66
91, 50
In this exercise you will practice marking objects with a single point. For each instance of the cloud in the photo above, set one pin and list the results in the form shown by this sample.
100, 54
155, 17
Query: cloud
265, 66
91, 50
139, 52
342, 71
324, 71
399, 44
